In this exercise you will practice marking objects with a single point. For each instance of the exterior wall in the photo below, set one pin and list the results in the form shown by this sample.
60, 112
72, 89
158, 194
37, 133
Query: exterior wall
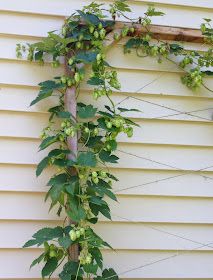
148, 218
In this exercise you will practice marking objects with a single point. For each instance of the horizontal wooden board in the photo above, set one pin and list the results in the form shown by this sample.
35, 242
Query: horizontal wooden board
165, 264
25, 206
131, 156
147, 236
150, 106
115, 56
28, 125
27, 74
174, 15
146, 182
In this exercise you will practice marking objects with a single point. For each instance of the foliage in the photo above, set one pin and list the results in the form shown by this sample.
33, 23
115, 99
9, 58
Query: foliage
81, 185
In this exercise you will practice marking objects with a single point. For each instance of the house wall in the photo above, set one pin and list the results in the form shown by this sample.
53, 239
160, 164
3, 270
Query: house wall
161, 227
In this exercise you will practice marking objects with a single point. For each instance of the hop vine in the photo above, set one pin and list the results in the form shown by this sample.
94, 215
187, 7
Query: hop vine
81, 184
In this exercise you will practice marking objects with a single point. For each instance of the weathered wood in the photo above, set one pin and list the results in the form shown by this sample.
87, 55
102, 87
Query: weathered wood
166, 32
72, 142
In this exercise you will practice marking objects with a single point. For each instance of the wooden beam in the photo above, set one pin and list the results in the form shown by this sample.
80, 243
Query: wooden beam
163, 32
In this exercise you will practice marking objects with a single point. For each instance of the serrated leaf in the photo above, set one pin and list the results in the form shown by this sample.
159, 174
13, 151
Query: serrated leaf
49, 267
30, 243
112, 177
37, 260
58, 152
133, 43
76, 212
72, 185
87, 112
91, 268
58, 179
64, 115
47, 233
44, 93
42, 165
86, 56
128, 110
47, 142
93, 141
106, 156
49, 84
109, 273
208, 73
70, 269
96, 253
90, 18
128, 121
96, 200
55, 193
175, 48
87, 159
95, 81
65, 242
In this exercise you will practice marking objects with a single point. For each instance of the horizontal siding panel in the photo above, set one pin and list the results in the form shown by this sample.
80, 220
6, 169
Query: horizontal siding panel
115, 56
175, 157
149, 236
144, 81
150, 131
196, 264
28, 24
25, 206
150, 106
174, 15
146, 182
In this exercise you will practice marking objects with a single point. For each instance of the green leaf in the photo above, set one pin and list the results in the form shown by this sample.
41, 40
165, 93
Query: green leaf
152, 12
90, 268
47, 142
103, 190
86, 56
87, 159
38, 260
64, 115
106, 156
42, 165
133, 43
208, 72
58, 152
128, 110
49, 84
49, 267
76, 212
112, 177
58, 179
110, 273
87, 112
44, 93
96, 253
70, 269
89, 18
46, 234
55, 193
96, 200
113, 144
122, 6
65, 242
95, 81
128, 121
30, 243
93, 141
175, 48
72, 185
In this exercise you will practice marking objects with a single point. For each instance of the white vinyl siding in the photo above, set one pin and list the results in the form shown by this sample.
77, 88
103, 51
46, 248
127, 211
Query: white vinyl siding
170, 142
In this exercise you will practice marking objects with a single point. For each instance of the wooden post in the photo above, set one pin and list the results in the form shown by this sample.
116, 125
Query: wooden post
72, 142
